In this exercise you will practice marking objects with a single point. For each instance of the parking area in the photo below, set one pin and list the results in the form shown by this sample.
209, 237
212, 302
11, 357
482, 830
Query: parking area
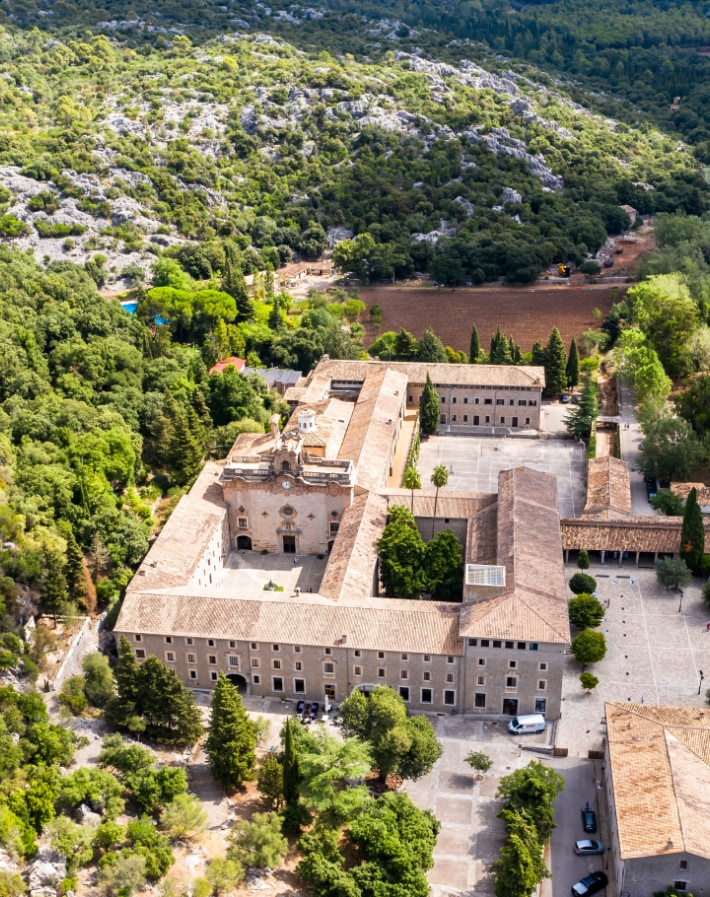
474, 463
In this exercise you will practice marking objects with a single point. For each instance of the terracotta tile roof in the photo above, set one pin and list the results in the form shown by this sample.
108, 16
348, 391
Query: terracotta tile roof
683, 489
222, 365
373, 427
421, 627
483, 375
178, 551
608, 488
660, 768
534, 606
655, 534
351, 566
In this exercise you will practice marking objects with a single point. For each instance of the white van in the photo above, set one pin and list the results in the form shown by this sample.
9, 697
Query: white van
523, 725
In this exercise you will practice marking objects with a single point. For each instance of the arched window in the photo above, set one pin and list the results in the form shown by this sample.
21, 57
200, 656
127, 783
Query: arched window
285, 465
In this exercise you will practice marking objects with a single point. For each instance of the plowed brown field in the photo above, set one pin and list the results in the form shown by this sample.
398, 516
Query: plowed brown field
526, 314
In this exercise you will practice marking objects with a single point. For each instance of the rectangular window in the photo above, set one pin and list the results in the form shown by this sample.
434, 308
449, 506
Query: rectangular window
502, 420
404, 674
449, 677
404, 693
189, 641
680, 885
511, 402
233, 661
334, 527
542, 667
138, 638
426, 696
540, 705
485, 643
472, 642
443, 399
256, 680
276, 664
298, 666
212, 659
243, 522
453, 401
410, 399
296, 649
522, 402
427, 658
500, 401
277, 683
299, 686
481, 661
497, 643
140, 653
479, 702
683, 864
405, 656
449, 659
426, 676
533, 646
274, 647
453, 418
254, 646
521, 646
193, 674
213, 676
480, 680
542, 684
465, 400
191, 658
381, 655
170, 656
328, 652
357, 671
465, 418
449, 697
168, 639
509, 646
527, 420
475, 401
357, 653
328, 668
488, 401
511, 682
255, 662
512, 664
488, 418
381, 672
232, 644
532, 402
210, 643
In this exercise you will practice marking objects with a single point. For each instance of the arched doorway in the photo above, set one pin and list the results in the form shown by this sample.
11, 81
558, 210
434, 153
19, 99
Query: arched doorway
239, 681
244, 542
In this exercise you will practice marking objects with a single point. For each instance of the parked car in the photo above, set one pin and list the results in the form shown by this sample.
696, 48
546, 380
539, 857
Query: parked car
589, 820
588, 848
651, 487
590, 884
566, 397
608, 263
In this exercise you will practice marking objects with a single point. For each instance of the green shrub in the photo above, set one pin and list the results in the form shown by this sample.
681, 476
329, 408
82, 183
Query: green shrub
582, 583
57, 229
12, 227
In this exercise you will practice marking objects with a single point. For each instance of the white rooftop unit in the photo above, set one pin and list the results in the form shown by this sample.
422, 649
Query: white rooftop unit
485, 575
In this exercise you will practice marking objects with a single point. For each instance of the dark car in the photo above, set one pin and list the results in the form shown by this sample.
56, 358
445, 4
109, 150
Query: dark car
589, 820
651, 487
590, 884
587, 847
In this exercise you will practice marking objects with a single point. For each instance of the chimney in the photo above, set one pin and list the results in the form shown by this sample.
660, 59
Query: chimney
306, 420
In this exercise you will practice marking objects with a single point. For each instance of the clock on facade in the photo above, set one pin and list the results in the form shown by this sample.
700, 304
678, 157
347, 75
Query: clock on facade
285, 485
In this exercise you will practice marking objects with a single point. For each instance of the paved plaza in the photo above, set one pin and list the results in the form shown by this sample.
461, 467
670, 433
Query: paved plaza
474, 463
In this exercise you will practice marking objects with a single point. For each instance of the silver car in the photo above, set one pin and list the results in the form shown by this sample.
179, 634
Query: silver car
587, 847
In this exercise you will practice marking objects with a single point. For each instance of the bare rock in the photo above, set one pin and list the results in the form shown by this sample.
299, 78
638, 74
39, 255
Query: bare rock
46, 871
86, 816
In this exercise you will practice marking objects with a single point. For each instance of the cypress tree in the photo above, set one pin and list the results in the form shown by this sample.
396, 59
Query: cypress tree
429, 409
231, 742
74, 569
405, 346
475, 347
555, 364
538, 354
54, 584
121, 708
291, 775
186, 447
573, 364
692, 534
500, 348
276, 321
234, 284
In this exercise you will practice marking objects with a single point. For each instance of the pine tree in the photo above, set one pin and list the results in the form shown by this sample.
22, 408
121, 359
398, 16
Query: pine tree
538, 354
500, 348
475, 346
555, 364
233, 283
431, 349
692, 533
573, 365
276, 320
74, 569
580, 418
291, 775
405, 346
121, 708
231, 742
186, 448
429, 409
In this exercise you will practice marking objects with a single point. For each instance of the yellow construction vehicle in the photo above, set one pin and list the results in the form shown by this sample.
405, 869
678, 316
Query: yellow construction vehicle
564, 270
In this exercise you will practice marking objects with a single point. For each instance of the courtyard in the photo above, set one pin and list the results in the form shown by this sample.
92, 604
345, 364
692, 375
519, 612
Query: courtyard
474, 463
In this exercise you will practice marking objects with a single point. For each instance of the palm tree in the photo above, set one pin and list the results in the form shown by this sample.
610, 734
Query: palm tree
412, 480
439, 478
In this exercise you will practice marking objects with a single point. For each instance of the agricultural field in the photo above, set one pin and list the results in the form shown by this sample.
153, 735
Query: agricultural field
527, 314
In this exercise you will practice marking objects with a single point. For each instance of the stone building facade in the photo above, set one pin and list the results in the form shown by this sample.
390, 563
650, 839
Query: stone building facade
321, 489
